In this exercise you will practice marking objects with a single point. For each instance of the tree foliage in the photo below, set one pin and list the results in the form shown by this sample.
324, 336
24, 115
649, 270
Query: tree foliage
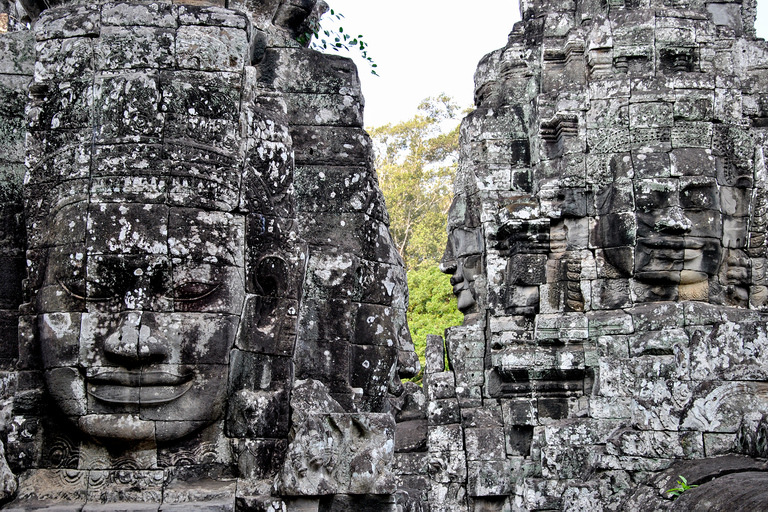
432, 305
416, 161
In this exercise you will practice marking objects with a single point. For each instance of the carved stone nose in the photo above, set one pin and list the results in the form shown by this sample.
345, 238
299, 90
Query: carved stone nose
132, 341
674, 221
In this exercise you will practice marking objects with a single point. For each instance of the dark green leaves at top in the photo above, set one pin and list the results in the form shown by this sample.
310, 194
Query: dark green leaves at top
335, 38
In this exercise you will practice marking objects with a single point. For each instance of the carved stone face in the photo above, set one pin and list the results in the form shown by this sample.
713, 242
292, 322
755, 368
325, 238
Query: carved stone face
463, 273
136, 343
674, 223
140, 279
463, 257
678, 240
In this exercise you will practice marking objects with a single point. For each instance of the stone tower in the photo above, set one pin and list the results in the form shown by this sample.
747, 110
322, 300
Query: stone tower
607, 244
212, 314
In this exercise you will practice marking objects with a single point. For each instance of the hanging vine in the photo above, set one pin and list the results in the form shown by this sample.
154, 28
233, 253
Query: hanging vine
321, 37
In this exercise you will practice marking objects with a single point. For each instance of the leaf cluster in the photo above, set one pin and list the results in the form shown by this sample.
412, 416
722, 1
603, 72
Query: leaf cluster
682, 486
321, 37
432, 305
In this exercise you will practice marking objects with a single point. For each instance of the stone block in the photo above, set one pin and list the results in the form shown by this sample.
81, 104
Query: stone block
518, 440
338, 146
324, 110
447, 496
448, 467
301, 70
368, 440
411, 436
441, 385
68, 104
520, 411
111, 106
84, 20
657, 342
134, 47
378, 325
333, 276
325, 361
329, 189
443, 412
260, 458
490, 478
486, 417
17, 50
435, 354
719, 444
445, 438
411, 463
211, 48
211, 16
272, 325
361, 503
485, 443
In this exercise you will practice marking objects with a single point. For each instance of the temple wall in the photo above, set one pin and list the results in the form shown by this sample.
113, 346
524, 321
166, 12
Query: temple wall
613, 291
166, 140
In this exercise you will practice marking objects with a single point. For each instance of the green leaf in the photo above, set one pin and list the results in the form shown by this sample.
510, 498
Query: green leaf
341, 39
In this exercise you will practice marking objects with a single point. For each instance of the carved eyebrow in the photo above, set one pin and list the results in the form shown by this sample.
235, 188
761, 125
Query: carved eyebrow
79, 297
202, 296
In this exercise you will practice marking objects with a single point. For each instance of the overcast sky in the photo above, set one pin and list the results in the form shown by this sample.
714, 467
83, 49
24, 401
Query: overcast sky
425, 47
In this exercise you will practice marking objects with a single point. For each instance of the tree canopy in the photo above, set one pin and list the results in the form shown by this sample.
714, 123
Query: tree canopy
416, 162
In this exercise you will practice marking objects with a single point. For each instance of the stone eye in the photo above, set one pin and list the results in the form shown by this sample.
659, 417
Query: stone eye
89, 291
99, 292
193, 290
74, 287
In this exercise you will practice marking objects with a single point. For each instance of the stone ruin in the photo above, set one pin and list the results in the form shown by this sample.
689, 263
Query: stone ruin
607, 244
210, 309
201, 307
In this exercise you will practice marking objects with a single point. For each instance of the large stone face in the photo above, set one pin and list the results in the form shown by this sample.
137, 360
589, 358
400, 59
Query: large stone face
607, 245
195, 245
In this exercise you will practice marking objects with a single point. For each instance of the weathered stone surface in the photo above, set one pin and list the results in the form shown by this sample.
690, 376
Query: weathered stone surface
336, 452
170, 279
606, 246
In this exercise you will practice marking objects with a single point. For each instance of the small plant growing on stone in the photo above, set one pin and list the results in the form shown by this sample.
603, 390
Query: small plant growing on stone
682, 486
321, 39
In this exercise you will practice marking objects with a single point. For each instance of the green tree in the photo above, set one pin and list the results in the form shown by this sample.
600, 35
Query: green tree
432, 305
416, 161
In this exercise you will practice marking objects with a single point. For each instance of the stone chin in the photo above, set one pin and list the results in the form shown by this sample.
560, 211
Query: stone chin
465, 301
132, 429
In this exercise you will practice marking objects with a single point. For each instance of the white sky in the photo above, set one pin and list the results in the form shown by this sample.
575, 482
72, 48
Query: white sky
425, 47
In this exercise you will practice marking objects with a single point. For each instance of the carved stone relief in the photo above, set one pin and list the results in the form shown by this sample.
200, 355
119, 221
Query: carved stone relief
189, 265
612, 186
